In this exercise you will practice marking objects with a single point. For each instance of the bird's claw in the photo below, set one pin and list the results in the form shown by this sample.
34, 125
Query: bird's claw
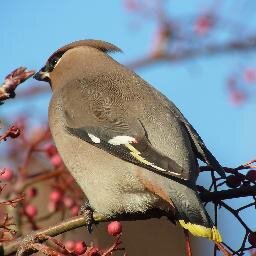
87, 211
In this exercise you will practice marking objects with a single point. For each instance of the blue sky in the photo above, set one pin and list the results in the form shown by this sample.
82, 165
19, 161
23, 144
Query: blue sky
31, 30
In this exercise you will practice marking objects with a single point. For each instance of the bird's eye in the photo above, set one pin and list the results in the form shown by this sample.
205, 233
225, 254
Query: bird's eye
53, 62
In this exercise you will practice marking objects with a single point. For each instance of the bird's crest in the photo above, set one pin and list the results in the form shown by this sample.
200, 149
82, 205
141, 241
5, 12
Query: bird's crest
97, 44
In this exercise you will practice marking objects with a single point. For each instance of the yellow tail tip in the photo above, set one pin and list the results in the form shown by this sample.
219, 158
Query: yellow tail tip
198, 230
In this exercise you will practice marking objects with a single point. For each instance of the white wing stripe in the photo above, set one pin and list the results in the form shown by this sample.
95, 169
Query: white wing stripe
94, 138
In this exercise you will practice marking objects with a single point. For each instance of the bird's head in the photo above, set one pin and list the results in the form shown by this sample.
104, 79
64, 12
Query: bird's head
75, 61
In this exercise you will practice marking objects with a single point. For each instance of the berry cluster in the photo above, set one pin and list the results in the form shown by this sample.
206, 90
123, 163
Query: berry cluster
239, 179
79, 247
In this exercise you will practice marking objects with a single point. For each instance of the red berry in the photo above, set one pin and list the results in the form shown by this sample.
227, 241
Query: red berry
237, 97
250, 75
70, 245
114, 228
233, 181
80, 247
246, 183
94, 251
31, 192
75, 210
130, 5
14, 132
56, 160
203, 24
52, 206
252, 239
6, 174
50, 150
56, 196
251, 175
240, 176
68, 201
30, 210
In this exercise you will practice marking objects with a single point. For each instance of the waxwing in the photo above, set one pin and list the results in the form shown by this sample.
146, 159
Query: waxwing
128, 146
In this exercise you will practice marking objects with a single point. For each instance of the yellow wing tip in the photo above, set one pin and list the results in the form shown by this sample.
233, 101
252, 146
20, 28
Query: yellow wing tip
198, 230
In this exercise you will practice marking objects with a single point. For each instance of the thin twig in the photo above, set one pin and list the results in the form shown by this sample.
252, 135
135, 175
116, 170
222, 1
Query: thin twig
16, 77
228, 194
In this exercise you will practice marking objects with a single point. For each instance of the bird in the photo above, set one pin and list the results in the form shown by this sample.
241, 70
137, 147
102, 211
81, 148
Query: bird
130, 149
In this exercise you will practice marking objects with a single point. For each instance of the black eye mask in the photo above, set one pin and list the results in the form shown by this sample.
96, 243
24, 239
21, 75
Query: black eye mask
52, 61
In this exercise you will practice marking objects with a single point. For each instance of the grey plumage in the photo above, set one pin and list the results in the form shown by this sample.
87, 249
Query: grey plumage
125, 143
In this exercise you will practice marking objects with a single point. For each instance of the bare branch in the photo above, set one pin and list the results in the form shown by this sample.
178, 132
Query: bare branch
228, 194
12, 132
246, 44
16, 77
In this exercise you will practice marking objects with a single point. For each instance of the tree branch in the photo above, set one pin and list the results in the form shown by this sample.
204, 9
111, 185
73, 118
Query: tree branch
16, 77
80, 221
71, 224
243, 191
243, 45
55, 230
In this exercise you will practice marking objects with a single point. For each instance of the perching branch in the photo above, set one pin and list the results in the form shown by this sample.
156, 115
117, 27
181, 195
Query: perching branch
55, 230
24, 244
79, 221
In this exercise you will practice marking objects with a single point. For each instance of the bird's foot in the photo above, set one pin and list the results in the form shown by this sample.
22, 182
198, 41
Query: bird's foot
223, 249
87, 211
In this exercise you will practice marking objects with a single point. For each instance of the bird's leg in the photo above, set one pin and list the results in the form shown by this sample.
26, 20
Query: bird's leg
87, 211
188, 243
222, 249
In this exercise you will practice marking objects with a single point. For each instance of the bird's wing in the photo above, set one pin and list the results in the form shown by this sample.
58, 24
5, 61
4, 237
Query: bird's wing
200, 149
123, 137
136, 150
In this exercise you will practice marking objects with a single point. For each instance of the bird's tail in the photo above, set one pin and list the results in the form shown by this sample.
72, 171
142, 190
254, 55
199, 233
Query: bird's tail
202, 231
192, 216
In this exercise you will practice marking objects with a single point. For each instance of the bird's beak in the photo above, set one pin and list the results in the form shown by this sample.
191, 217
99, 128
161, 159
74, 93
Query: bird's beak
42, 75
